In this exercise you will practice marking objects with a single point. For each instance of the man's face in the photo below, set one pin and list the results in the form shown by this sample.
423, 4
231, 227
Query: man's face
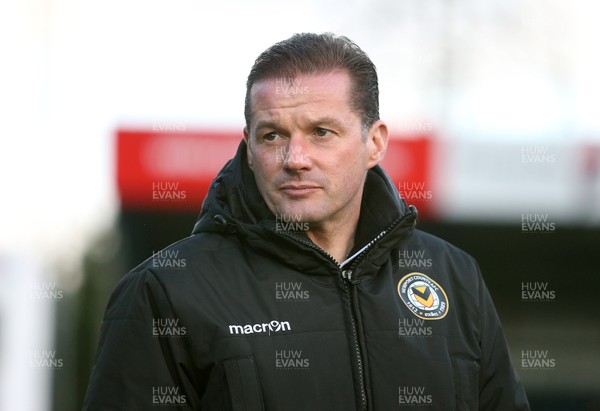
306, 149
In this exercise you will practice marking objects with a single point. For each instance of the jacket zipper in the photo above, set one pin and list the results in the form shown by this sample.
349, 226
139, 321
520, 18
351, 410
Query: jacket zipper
355, 259
348, 283
313, 246
346, 280
359, 358
349, 287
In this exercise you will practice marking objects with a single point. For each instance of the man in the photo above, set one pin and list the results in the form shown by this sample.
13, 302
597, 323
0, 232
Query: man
294, 296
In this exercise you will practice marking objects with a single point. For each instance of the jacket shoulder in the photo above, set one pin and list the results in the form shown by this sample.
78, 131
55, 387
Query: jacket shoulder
190, 260
193, 252
447, 261
436, 244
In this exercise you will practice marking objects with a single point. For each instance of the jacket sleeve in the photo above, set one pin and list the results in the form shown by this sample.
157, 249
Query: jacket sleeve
500, 388
135, 368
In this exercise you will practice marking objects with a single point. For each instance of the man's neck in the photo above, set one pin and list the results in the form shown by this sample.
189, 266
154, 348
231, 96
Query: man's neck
337, 241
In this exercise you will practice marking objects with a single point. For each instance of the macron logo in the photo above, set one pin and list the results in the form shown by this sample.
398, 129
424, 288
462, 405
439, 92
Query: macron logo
270, 327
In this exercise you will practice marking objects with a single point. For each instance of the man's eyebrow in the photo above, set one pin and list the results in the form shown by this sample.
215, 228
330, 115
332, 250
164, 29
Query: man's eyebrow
265, 124
326, 121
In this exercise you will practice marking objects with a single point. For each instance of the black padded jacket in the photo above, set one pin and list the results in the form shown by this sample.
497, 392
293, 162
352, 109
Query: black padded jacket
249, 314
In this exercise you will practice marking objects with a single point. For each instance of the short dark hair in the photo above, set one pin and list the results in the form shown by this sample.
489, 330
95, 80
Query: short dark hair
309, 53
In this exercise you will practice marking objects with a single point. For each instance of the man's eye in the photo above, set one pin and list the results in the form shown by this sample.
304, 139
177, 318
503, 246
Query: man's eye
321, 132
272, 136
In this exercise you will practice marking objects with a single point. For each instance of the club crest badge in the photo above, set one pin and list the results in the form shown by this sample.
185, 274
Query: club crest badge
423, 296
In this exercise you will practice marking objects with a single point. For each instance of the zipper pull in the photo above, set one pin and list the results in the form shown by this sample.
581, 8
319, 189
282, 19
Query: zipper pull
347, 274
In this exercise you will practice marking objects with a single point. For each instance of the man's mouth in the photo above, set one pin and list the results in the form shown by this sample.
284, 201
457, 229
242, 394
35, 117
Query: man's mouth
299, 189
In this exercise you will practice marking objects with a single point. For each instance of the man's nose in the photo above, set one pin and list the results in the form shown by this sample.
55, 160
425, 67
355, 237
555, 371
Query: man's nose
296, 154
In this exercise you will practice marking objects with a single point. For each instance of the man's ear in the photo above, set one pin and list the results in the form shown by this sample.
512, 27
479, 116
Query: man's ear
377, 141
248, 151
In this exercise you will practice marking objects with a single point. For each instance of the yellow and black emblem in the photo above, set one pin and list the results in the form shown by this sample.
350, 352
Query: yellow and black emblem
423, 296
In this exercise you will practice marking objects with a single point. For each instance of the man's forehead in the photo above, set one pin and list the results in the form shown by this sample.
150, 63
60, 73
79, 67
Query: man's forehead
302, 90
337, 77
